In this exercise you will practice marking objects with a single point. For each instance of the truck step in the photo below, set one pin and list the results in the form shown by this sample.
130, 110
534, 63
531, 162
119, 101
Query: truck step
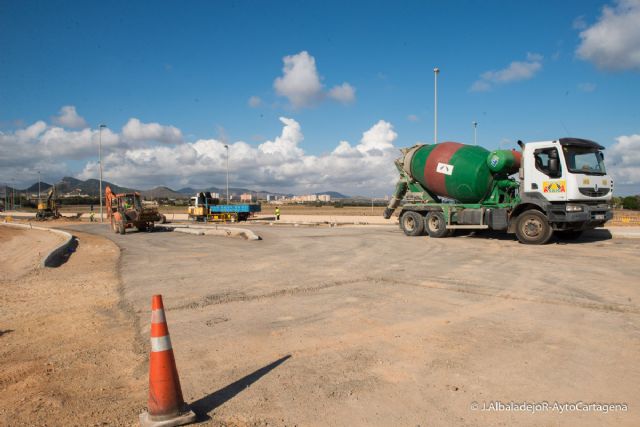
468, 227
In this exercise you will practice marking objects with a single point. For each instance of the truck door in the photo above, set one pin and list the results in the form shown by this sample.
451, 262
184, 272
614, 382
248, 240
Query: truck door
547, 174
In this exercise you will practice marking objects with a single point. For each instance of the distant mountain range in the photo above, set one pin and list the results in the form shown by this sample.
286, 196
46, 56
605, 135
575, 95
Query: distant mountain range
92, 188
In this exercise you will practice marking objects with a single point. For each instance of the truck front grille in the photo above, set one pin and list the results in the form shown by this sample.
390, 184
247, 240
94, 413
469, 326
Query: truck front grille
592, 192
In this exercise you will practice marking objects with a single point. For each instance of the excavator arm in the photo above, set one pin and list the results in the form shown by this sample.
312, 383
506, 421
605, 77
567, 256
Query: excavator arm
108, 198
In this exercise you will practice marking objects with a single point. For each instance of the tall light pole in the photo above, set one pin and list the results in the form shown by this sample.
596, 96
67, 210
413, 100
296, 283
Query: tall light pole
435, 104
38, 186
227, 147
100, 161
475, 132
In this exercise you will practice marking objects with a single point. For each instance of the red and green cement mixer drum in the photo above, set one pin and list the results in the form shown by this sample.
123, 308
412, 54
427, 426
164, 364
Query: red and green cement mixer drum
452, 170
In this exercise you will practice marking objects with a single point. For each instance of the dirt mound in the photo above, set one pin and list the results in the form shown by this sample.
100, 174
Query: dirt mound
68, 351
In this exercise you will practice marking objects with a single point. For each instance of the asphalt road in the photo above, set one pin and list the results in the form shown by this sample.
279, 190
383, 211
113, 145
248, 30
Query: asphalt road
365, 326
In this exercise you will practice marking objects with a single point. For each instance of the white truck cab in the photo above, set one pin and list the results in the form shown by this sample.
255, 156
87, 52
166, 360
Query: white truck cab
567, 179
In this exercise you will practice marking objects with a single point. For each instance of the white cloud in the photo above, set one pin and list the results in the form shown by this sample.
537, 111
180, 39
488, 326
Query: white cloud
254, 102
135, 130
48, 149
516, 71
31, 132
623, 159
69, 118
344, 93
278, 165
301, 83
613, 43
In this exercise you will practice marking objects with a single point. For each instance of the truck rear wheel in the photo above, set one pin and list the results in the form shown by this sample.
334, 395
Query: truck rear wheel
436, 225
412, 223
121, 228
533, 228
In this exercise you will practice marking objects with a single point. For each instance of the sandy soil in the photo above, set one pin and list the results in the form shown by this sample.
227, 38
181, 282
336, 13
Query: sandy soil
317, 326
68, 350
22, 250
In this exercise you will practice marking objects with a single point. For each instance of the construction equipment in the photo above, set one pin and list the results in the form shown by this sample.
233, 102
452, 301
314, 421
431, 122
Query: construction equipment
48, 208
203, 207
126, 210
563, 189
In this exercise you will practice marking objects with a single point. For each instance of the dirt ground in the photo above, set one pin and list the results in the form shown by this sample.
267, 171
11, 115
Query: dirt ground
316, 326
23, 250
365, 326
68, 350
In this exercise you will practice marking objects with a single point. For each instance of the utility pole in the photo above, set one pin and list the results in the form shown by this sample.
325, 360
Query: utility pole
435, 104
475, 132
38, 186
100, 161
227, 147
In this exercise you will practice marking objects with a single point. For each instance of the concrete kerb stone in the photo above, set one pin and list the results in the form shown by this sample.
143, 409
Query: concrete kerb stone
213, 231
55, 257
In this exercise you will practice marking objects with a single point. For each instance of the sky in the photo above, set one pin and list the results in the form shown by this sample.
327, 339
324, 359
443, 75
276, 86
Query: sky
308, 96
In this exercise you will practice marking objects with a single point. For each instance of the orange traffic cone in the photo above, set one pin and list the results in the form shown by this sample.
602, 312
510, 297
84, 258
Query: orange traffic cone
166, 406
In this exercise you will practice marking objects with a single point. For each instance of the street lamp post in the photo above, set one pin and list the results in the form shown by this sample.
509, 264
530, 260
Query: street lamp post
227, 147
475, 132
39, 186
435, 104
100, 162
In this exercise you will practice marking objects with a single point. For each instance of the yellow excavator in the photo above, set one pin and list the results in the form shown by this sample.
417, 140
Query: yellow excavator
48, 208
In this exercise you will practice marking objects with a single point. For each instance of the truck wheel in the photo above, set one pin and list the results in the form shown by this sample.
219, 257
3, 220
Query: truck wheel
532, 228
163, 219
412, 223
568, 234
121, 228
141, 226
436, 225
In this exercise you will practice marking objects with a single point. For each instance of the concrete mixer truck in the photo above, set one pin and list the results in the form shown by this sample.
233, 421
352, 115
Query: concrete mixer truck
561, 189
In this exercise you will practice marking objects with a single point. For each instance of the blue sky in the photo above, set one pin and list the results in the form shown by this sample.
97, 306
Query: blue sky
195, 65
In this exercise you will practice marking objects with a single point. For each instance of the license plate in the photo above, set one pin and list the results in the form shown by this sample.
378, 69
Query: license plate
599, 216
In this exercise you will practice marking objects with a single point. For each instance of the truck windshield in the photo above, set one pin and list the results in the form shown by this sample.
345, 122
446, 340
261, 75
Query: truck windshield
589, 161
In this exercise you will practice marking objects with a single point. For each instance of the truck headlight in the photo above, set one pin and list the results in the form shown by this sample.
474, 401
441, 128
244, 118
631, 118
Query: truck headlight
574, 208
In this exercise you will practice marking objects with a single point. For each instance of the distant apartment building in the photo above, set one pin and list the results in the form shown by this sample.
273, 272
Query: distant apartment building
305, 198
246, 197
324, 198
